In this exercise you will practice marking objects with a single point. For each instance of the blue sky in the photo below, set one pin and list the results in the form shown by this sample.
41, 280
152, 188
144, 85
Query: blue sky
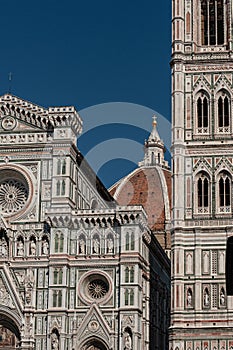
86, 53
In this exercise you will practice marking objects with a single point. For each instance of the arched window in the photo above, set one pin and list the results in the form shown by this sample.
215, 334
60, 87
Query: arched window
132, 241
59, 301
132, 274
203, 199
224, 193
127, 241
59, 243
54, 298
212, 22
126, 297
58, 191
127, 275
58, 166
202, 114
63, 171
55, 275
63, 188
60, 275
223, 113
131, 297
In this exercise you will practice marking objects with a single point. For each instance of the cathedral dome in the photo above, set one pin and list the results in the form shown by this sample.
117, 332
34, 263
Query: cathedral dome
150, 186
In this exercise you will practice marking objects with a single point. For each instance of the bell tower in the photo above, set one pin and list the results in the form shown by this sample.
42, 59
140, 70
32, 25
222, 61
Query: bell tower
202, 147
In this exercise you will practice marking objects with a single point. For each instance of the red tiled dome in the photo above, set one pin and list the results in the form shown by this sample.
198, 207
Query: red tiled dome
150, 187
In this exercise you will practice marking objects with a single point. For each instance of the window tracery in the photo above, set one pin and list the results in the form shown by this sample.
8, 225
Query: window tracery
212, 22
223, 201
203, 193
202, 113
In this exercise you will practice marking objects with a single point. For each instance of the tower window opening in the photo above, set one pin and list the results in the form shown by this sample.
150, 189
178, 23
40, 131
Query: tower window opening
202, 114
212, 22
203, 194
223, 114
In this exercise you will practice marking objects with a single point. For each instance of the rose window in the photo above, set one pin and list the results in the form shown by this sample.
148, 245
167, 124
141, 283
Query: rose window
97, 288
14, 192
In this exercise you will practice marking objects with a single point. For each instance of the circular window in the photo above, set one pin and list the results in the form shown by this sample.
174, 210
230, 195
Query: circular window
95, 287
14, 191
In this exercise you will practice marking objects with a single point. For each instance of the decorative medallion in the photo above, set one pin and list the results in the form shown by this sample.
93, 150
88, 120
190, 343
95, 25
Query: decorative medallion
14, 192
8, 123
97, 288
93, 326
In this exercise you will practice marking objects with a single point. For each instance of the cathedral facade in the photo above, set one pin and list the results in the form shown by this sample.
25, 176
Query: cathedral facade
202, 131
77, 271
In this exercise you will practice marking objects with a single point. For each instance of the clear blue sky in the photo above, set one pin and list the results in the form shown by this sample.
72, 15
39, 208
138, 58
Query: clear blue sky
85, 53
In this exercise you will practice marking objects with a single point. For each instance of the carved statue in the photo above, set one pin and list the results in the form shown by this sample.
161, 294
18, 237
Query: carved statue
127, 341
222, 298
82, 246
189, 298
206, 298
96, 246
110, 245
45, 247
20, 248
32, 247
54, 341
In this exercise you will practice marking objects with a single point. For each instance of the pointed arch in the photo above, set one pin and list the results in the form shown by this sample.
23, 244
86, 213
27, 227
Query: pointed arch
202, 112
224, 192
202, 193
223, 112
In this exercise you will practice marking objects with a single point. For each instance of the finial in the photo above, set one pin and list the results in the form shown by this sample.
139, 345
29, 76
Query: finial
154, 123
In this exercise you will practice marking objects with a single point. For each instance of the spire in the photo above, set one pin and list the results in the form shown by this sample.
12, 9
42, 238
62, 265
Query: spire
154, 133
154, 148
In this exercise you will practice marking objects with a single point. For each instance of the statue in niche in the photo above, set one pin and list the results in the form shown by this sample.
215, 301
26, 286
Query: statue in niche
206, 298
20, 248
189, 298
45, 247
54, 341
222, 298
127, 341
96, 246
32, 247
82, 246
110, 245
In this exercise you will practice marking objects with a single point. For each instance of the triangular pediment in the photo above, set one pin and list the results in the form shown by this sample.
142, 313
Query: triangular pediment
94, 324
19, 115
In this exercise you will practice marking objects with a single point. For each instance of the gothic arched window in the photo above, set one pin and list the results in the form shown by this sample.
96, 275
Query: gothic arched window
212, 22
63, 170
203, 200
127, 275
223, 113
202, 113
59, 243
63, 188
224, 193
132, 274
